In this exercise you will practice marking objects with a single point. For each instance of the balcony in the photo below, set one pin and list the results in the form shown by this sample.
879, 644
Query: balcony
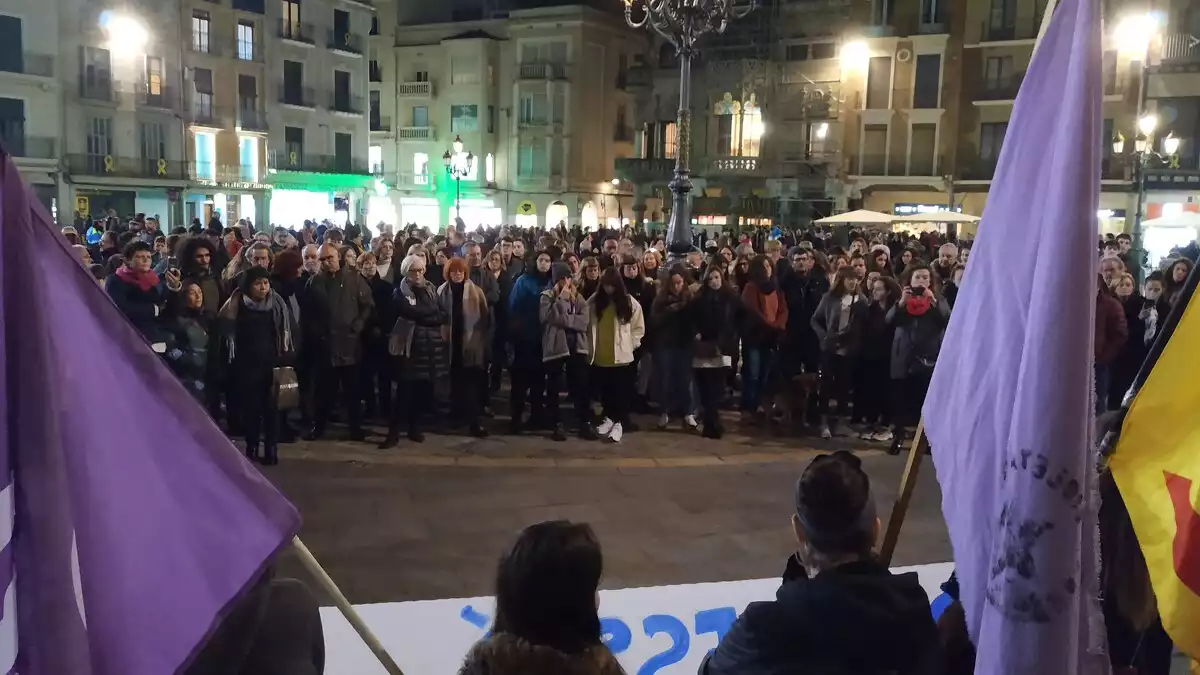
345, 104
31, 147
30, 63
999, 35
412, 179
159, 97
639, 77
125, 167
978, 168
299, 33
415, 134
1179, 48
414, 89
318, 163
249, 50
1000, 89
97, 89
733, 166
383, 124
251, 119
346, 42
203, 44
299, 97
542, 71
645, 169
204, 114
532, 122
224, 174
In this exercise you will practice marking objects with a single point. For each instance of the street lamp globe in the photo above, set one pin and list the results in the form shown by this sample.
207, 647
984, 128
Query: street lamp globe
1147, 123
854, 55
1171, 144
457, 145
446, 159
1134, 33
470, 162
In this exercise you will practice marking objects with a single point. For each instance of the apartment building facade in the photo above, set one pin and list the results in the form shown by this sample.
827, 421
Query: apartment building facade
537, 97
317, 162
30, 111
225, 109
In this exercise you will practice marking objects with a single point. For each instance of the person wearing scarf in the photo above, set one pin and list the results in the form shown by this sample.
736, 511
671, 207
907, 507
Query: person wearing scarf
140, 293
468, 334
920, 319
187, 351
258, 330
419, 347
766, 319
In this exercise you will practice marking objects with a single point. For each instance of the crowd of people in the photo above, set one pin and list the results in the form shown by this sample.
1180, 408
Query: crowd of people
835, 334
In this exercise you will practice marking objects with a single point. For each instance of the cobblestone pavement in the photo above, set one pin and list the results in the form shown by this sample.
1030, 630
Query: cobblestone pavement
430, 520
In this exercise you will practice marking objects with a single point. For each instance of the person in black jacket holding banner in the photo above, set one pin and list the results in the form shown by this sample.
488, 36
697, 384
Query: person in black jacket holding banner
839, 610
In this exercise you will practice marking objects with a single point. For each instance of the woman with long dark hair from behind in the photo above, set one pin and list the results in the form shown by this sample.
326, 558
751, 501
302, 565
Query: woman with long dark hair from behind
546, 607
871, 380
615, 329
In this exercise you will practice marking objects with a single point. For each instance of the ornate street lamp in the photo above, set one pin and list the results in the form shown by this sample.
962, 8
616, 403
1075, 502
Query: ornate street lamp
1143, 154
458, 166
682, 23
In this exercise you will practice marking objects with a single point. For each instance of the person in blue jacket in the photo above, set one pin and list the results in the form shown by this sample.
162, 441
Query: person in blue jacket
525, 331
140, 293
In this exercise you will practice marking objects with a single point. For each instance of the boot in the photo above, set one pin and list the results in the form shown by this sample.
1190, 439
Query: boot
270, 454
587, 433
416, 436
897, 441
559, 434
252, 452
392, 439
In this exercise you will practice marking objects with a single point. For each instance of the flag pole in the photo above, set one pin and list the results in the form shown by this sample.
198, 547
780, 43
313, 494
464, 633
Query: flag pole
310, 563
1113, 433
920, 444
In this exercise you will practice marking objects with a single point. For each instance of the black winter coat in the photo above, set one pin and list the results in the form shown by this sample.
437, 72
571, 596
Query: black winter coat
334, 310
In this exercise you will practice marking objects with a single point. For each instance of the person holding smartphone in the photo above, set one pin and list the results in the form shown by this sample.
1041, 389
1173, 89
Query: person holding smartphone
919, 318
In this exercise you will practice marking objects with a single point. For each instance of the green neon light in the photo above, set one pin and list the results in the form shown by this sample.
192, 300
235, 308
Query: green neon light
320, 182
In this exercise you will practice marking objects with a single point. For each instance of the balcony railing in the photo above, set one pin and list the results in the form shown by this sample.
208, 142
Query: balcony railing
639, 76
348, 42
204, 46
989, 32
1001, 89
381, 123
206, 114
374, 72
415, 133
543, 71
414, 89
1180, 48
161, 97
645, 169
251, 119
411, 179
125, 167
285, 161
31, 147
297, 32
30, 63
346, 103
304, 97
97, 89
733, 165
224, 173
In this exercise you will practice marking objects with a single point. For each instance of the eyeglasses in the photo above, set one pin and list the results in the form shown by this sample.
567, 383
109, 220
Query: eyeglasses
416, 271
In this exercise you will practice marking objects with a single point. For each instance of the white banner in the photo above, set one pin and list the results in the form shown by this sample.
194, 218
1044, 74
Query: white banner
661, 629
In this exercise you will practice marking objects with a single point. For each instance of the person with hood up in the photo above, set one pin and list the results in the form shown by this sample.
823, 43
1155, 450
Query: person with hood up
525, 331
468, 335
546, 619
563, 312
836, 597
418, 344
257, 327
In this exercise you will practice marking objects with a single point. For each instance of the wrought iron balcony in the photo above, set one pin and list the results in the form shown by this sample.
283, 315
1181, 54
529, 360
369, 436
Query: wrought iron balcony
97, 88
1179, 48
30, 147
158, 96
645, 169
251, 119
733, 165
346, 103
1001, 89
296, 31
30, 63
249, 50
415, 133
348, 42
304, 97
290, 161
379, 123
125, 167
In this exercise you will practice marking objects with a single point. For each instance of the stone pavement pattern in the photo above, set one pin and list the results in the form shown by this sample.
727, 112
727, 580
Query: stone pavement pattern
431, 521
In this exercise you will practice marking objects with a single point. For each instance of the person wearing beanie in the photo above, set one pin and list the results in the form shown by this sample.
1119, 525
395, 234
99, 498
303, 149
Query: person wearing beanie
468, 335
563, 314
258, 331
836, 596
525, 330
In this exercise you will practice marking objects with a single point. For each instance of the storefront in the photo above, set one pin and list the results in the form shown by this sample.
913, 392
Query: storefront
526, 214
231, 201
476, 213
423, 212
296, 196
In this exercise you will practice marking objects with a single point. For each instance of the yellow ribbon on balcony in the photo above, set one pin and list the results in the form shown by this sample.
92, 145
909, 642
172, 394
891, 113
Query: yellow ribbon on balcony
162, 167
347, 39
292, 158
109, 164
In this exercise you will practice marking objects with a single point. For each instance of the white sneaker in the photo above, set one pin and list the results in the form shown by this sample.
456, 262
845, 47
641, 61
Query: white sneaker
615, 433
663, 421
605, 427
825, 432
883, 436
690, 423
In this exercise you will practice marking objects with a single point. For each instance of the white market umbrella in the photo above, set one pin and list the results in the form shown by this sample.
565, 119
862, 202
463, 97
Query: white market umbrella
859, 216
938, 217
1181, 219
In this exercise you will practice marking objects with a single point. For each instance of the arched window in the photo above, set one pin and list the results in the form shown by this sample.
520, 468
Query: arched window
557, 213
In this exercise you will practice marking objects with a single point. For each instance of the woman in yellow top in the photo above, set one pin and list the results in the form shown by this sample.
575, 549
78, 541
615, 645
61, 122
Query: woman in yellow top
615, 329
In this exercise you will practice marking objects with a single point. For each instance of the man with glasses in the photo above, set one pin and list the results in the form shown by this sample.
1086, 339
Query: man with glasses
335, 307
420, 349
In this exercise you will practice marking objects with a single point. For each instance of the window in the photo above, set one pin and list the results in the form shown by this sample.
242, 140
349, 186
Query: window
245, 40
12, 124
923, 160
489, 168
374, 72
202, 103
154, 140
374, 25
927, 81
464, 118
291, 18
491, 119
375, 159
420, 116
622, 123
97, 72
420, 168
373, 99
248, 159
558, 107
12, 54
1110, 72
532, 108
797, 52
879, 82
247, 92
293, 143
200, 32
464, 70
422, 76
154, 75
1003, 18
206, 155
998, 71
725, 134
99, 143
342, 154
874, 159
670, 141
544, 52
991, 137
931, 11
341, 90
531, 160
822, 50
293, 83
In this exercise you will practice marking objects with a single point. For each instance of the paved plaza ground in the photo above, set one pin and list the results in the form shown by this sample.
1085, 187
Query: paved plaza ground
430, 521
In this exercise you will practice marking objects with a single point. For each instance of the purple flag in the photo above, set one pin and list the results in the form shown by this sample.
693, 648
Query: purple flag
136, 521
1009, 412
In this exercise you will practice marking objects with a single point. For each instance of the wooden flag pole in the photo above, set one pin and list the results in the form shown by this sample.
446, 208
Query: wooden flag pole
908, 484
310, 563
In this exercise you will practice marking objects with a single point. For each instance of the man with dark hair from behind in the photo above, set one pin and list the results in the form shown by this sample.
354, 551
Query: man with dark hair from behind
839, 610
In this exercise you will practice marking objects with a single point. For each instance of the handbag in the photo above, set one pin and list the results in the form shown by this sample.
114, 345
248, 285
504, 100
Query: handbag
286, 388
